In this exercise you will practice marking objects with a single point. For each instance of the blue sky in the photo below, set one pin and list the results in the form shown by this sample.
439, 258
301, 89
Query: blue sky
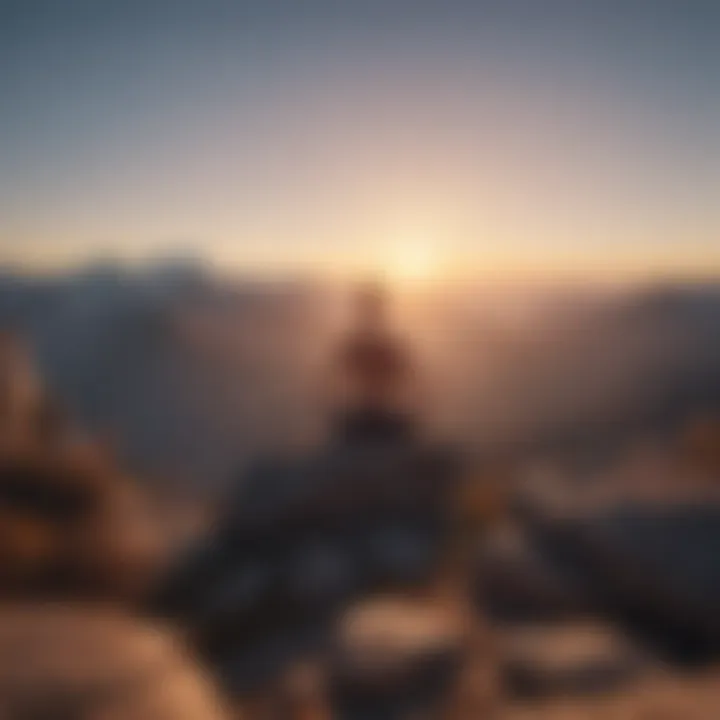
497, 136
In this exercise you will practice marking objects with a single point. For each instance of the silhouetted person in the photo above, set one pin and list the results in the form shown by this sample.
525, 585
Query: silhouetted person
375, 370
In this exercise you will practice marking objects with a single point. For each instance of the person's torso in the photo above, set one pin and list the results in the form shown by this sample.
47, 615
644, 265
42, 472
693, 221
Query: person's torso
375, 369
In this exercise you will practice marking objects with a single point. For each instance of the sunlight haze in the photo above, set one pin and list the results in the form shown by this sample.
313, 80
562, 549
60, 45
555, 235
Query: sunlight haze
432, 138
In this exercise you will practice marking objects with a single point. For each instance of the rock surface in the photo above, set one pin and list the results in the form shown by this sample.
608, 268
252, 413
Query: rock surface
62, 662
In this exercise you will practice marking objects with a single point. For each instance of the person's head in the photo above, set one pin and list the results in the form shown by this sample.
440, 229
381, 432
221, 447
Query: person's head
370, 305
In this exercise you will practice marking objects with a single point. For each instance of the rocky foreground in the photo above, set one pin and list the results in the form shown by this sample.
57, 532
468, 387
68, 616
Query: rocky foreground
78, 661
377, 586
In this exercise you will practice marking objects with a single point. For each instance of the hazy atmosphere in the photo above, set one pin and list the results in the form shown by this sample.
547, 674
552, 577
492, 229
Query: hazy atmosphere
359, 360
418, 138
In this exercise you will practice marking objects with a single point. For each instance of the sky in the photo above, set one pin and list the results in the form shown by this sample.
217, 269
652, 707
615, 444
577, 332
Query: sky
484, 137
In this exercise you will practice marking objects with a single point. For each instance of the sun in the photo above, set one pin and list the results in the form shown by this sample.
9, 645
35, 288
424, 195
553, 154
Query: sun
410, 262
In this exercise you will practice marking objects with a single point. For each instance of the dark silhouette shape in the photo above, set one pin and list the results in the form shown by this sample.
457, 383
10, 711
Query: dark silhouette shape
375, 369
